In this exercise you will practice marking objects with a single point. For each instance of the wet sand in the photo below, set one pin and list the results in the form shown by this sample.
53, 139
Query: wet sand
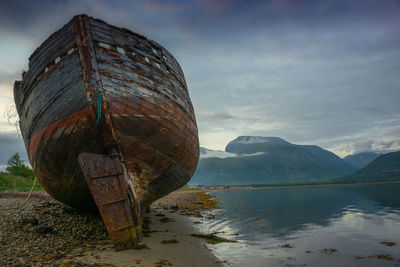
178, 249
80, 239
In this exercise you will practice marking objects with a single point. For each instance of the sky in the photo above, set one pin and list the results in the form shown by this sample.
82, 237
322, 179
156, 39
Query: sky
311, 72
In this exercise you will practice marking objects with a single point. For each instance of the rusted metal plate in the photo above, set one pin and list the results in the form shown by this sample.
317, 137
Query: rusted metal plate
105, 178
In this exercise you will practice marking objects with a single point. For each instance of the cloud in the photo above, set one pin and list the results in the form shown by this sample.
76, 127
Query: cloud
11, 144
380, 146
316, 72
6, 77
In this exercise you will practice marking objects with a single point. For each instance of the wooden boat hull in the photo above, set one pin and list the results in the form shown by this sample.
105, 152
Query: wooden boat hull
95, 88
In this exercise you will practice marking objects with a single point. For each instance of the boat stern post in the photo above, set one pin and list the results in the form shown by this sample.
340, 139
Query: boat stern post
105, 177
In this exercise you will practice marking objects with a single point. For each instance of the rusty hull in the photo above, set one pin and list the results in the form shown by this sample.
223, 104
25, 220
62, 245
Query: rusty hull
95, 88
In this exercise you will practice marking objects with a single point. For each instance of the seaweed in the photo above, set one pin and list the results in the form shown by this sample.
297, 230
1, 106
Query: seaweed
169, 241
214, 239
328, 250
388, 243
287, 246
166, 220
381, 257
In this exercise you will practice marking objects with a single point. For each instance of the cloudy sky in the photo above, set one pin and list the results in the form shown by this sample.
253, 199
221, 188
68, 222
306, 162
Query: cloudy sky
311, 72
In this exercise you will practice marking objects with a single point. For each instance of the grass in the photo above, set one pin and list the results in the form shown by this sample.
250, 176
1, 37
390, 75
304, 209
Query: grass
188, 189
10, 182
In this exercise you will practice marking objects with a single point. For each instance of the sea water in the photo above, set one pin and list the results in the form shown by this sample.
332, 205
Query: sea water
308, 226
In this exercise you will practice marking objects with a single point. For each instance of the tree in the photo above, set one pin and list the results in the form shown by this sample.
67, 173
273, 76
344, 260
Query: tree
15, 161
16, 167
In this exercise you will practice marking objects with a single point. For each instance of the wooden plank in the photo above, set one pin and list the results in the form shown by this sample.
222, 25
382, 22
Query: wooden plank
59, 94
47, 53
118, 37
123, 72
125, 64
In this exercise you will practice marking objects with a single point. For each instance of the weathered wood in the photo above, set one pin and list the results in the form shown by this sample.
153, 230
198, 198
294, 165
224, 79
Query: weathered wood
57, 95
117, 37
107, 89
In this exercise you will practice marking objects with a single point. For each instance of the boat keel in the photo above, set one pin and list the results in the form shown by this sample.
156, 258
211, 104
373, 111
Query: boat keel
111, 192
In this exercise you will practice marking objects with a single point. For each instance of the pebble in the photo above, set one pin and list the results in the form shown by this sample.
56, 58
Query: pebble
46, 233
31, 221
43, 229
73, 233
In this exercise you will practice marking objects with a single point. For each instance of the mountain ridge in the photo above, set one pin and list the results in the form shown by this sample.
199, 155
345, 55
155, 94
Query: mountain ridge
269, 160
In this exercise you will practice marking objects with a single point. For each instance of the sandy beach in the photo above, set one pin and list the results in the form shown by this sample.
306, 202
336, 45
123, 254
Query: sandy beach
79, 239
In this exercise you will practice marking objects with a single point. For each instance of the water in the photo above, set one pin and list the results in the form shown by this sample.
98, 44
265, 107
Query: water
292, 226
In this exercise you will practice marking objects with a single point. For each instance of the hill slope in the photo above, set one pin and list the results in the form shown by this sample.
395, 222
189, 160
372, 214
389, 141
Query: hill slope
383, 168
360, 160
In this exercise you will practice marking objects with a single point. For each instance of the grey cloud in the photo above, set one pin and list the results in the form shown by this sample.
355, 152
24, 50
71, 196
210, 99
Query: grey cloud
324, 72
379, 146
216, 120
216, 117
362, 146
390, 145
26, 16
8, 77
10, 144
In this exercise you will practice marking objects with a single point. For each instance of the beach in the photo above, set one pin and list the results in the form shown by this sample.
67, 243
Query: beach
46, 232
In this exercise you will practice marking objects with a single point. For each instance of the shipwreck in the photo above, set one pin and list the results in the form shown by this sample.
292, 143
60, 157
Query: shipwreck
107, 122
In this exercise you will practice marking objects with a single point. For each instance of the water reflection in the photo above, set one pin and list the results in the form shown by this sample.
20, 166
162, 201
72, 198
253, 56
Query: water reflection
353, 219
281, 211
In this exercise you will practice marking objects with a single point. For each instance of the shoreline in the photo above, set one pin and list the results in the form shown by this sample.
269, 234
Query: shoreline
6, 191
170, 233
283, 186
79, 238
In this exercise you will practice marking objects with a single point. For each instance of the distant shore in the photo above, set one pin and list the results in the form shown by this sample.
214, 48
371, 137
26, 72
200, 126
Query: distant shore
252, 187
79, 238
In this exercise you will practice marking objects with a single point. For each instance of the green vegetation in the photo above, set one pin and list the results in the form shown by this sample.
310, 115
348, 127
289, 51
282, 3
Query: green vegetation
188, 188
17, 175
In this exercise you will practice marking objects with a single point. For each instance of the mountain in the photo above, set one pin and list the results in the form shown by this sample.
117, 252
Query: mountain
267, 160
329, 158
256, 144
252, 144
383, 168
361, 160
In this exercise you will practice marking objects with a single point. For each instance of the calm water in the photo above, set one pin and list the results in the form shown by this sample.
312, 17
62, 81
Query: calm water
291, 226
